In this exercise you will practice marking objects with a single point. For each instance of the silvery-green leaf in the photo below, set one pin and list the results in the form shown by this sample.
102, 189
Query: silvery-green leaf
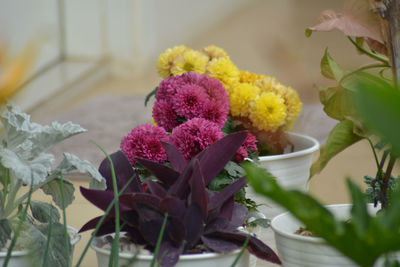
30, 171
29, 139
5, 232
38, 239
53, 188
72, 163
44, 212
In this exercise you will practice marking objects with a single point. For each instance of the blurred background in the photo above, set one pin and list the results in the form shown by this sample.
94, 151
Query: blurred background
96, 62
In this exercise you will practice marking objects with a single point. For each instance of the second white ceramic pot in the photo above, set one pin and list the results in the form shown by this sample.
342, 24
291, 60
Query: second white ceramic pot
292, 170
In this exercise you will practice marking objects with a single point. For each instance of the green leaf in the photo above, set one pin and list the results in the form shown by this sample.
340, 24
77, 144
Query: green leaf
359, 212
308, 32
5, 232
53, 188
329, 68
263, 222
338, 102
44, 212
152, 93
37, 246
379, 105
341, 137
72, 163
234, 169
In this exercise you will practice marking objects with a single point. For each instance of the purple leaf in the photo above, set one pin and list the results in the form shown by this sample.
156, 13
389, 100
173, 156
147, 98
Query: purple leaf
168, 254
217, 224
163, 173
150, 229
174, 206
182, 184
135, 235
131, 218
226, 193
219, 245
227, 208
123, 172
239, 215
214, 158
255, 246
198, 189
193, 222
176, 231
101, 199
156, 189
132, 199
175, 157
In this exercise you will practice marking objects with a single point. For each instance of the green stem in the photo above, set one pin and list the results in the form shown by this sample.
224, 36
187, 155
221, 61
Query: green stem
386, 179
19, 228
373, 66
46, 253
375, 156
11, 203
66, 239
160, 236
369, 53
100, 222
246, 242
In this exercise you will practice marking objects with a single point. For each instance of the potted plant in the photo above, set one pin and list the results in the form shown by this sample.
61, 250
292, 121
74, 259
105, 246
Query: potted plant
191, 223
257, 103
30, 230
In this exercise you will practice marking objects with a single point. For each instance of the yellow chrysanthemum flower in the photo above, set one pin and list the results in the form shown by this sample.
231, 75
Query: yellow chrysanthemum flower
241, 98
267, 84
248, 77
293, 105
166, 60
213, 51
190, 60
268, 112
225, 71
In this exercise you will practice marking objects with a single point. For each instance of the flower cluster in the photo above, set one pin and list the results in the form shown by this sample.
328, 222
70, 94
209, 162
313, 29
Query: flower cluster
260, 104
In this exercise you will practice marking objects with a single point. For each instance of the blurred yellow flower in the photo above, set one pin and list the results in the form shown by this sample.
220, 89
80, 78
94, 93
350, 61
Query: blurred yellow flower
241, 98
213, 51
225, 71
166, 60
190, 60
13, 70
268, 112
248, 77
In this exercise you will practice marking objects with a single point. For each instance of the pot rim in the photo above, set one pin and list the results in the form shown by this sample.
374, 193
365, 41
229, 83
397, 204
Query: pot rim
310, 239
127, 255
315, 146
25, 252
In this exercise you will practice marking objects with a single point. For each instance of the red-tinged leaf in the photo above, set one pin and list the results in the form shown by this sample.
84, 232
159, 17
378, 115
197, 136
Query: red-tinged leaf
174, 206
132, 199
214, 158
377, 46
356, 20
163, 173
193, 222
225, 194
219, 245
156, 189
175, 157
169, 254
123, 172
198, 189
101, 199
255, 246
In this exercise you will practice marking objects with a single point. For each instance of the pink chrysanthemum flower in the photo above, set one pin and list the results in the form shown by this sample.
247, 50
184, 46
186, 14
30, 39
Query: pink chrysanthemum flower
250, 144
144, 141
189, 101
190, 95
164, 115
241, 154
194, 136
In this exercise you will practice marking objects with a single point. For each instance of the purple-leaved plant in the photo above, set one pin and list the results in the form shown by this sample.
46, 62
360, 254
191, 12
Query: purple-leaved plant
196, 215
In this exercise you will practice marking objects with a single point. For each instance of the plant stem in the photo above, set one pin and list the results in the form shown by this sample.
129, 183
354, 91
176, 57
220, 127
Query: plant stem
369, 53
386, 179
46, 253
246, 242
100, 222
373, 66
375, 156
66, 239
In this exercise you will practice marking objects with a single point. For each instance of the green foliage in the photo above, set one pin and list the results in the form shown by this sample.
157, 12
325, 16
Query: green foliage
341, 137
363, 238
44, 212
151, 94
53, 188
5, 232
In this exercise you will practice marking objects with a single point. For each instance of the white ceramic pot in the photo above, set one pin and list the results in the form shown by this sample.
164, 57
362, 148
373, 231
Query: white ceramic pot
20, 258
192, 260
304, 251
292, 170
